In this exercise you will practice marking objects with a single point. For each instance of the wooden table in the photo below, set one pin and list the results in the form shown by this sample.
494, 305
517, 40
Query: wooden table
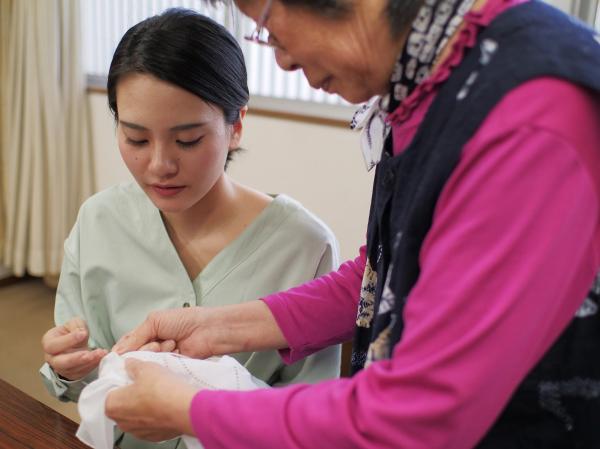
28, 424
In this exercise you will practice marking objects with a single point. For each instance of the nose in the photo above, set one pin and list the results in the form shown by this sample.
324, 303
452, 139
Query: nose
164, 163
285, 60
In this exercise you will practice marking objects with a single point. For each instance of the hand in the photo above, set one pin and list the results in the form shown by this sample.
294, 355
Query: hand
155, 407
200, 332
66, 351
181, 330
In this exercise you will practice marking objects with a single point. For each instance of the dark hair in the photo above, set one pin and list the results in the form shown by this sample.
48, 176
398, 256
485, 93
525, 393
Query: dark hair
402, 13
186, 49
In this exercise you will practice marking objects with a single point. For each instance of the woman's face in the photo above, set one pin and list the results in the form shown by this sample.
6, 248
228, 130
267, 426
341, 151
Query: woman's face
174, 144
352, 55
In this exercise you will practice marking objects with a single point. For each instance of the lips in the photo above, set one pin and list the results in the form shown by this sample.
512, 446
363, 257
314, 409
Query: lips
326, 84
167, 190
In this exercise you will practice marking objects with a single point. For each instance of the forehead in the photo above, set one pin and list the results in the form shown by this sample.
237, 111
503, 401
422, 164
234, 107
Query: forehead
250, 8
142, 96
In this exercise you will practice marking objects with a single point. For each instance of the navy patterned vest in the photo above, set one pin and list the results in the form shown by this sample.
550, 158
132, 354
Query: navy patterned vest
558, 404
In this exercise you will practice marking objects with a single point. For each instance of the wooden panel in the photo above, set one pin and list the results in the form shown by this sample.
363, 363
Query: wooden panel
27, 423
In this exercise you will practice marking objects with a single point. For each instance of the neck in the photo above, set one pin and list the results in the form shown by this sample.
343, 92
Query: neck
208, 214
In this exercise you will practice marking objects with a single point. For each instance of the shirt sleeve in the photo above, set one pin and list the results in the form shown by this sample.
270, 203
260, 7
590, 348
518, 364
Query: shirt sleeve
68, 304
324, 364
321, 312
510, 257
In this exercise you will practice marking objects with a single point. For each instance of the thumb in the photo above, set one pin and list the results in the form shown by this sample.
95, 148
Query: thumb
133, 368
75, 324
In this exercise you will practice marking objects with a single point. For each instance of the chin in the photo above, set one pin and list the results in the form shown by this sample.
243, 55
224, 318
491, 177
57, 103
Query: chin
356, 97
170, 208
167, 205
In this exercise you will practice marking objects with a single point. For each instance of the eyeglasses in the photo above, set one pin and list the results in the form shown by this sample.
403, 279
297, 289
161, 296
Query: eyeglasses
256, 35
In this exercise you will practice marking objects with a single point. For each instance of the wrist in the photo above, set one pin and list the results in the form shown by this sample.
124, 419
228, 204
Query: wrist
180, 414
220, 334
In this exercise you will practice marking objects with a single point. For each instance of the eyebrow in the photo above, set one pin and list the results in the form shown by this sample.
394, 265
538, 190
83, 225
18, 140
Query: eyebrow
183, 127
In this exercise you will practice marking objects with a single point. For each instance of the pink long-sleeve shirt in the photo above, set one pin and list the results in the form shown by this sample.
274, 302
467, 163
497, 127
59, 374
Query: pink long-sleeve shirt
512, 251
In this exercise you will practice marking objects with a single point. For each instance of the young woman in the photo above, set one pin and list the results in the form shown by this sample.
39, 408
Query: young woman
184, 234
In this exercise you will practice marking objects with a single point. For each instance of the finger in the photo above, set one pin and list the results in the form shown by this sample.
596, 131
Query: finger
76, 323
134, 367
98, 354
168, 346
51, 334
144, 333
155, 436
74, 361
113, 403
163, 346
77, 373
56, 342
152, 347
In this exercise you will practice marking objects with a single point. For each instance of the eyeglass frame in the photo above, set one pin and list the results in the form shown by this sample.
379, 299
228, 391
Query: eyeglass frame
260, 26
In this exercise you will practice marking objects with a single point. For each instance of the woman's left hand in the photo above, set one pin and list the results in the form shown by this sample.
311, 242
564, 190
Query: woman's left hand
155, 407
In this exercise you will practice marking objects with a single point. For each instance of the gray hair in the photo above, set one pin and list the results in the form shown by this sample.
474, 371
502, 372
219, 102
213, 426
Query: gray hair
401, 12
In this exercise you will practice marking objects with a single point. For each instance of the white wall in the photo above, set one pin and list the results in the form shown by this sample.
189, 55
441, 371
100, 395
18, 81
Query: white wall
564, 5
321, 166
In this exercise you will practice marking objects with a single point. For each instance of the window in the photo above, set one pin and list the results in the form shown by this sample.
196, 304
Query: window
105, 22
585, 10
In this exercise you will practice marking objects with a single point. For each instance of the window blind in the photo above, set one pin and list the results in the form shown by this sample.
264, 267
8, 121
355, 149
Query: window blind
105, 22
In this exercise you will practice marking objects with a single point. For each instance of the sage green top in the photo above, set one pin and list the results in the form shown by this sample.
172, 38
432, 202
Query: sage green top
120, 264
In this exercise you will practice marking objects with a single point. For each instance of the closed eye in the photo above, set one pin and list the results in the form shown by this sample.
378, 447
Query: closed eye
137, 143
190, 143
274, 42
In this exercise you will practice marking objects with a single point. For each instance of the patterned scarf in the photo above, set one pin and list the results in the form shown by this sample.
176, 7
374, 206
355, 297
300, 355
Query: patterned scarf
434, 25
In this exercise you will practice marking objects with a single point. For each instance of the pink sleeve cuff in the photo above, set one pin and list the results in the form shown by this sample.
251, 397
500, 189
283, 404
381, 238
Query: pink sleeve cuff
319, 313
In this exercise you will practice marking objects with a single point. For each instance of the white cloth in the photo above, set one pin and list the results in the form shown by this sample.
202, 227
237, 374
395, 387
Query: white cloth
96, 430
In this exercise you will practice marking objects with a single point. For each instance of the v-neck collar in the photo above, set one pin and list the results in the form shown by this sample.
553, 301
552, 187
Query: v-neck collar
234, 254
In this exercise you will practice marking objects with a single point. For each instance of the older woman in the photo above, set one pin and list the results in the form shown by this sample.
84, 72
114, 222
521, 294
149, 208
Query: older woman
475, 322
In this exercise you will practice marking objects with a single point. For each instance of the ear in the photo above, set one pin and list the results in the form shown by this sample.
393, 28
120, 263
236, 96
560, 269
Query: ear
236, 130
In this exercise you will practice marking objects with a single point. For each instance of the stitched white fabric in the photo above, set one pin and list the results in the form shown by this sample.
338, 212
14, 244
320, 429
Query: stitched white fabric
96, 430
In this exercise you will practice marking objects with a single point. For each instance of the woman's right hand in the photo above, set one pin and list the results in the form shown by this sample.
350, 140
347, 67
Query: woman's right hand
202, 332
185, 330
66, 350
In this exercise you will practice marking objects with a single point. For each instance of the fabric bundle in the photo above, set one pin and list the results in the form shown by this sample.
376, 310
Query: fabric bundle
97, 431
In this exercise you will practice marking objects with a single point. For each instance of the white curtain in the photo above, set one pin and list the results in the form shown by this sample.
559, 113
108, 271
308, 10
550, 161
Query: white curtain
4, 15
45, 142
